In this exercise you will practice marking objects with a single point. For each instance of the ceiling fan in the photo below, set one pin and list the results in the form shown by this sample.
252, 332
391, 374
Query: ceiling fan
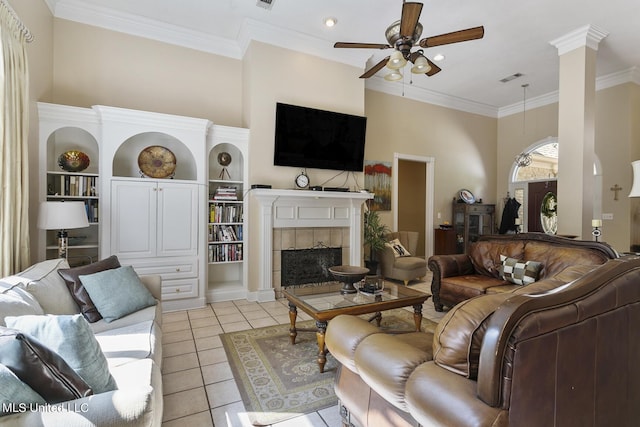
403, 35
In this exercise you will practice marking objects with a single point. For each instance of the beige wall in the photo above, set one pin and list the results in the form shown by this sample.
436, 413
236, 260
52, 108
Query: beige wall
93, 66
463, 145
37, 17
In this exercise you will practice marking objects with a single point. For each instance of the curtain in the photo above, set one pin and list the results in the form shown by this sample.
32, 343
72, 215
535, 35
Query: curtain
14, 129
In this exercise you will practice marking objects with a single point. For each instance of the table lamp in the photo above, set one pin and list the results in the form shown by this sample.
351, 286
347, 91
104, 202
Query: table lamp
62, 216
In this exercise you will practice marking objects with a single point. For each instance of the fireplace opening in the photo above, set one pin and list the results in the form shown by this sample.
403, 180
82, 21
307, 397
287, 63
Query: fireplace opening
306, 266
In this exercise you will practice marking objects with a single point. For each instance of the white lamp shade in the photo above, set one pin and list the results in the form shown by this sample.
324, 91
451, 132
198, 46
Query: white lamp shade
635, 189
396, 61
393, 76
62, 215
420, 66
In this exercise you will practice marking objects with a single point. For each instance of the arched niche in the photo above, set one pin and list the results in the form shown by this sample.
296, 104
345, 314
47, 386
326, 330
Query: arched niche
234, 170
125, 160
72, 138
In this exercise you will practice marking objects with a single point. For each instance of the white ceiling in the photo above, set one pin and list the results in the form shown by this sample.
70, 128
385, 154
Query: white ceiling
517, 39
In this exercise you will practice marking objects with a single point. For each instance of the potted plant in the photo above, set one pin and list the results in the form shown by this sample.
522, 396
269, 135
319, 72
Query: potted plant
374, 239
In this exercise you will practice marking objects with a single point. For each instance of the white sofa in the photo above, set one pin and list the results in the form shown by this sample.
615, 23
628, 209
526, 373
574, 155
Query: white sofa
132, 346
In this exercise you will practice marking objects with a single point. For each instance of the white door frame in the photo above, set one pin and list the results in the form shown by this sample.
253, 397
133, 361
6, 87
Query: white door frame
430, 189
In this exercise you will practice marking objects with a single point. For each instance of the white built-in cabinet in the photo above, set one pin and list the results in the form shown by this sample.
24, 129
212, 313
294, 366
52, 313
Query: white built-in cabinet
157, 225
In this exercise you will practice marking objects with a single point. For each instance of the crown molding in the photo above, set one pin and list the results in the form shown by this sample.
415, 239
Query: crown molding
589, 36
379, 84
109, 19
631, 75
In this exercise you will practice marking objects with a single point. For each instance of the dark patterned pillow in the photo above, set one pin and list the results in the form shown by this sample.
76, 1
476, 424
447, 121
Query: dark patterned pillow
519, 272
77, 290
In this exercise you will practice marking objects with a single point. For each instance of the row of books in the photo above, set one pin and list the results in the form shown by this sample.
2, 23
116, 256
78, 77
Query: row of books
225, 252
74, 185
225, 233
225, 193
92, 210
225, 213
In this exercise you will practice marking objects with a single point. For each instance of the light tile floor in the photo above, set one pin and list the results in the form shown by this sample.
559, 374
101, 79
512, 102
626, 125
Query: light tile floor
199, 389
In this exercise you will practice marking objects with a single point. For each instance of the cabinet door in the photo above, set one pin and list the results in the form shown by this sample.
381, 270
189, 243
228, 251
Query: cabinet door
133, 218
177, 219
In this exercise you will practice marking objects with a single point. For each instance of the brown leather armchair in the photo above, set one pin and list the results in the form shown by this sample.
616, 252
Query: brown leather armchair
405, 268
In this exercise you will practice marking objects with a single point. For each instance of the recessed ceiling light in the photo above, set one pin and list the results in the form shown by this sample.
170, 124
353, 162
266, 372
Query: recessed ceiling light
438, 57
330, 21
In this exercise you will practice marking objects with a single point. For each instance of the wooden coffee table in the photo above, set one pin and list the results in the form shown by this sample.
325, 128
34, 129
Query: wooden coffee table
324, 302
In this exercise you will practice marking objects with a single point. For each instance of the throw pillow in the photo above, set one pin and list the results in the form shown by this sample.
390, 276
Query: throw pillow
70, 337
397, 248
44, 283
519, 272
15, 301
40, 368
117, 292
71, 277
16, 396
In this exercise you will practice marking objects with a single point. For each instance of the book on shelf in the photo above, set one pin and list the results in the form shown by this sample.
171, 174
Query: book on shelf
225, 193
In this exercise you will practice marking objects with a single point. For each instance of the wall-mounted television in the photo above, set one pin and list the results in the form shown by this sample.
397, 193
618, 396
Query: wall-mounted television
311, 138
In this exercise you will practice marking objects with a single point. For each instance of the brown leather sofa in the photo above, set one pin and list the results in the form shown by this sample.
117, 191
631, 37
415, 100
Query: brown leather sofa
563, 353
463, 276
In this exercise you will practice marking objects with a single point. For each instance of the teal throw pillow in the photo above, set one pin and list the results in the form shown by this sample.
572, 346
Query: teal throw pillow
117, 292
16, 396
71, 337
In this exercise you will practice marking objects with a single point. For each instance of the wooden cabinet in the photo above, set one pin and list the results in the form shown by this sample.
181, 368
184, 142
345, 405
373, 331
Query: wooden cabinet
470, 221
444, 242
154, 219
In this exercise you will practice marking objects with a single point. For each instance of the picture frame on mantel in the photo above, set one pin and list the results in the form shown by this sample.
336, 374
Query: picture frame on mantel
377, 179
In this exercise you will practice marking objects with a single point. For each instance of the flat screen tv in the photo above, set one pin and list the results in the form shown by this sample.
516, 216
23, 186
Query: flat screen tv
310, 138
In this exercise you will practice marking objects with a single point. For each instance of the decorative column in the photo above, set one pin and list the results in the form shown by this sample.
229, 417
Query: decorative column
576, 129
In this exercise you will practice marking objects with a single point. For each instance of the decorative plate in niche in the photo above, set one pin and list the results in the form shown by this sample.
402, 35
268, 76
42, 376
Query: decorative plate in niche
156, 161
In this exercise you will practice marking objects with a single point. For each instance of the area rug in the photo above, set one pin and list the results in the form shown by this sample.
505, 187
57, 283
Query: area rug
277, 380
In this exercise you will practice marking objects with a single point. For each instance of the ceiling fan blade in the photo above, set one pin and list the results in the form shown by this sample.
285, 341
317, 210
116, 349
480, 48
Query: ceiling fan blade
454, 37
434, 69
371, 71
410, 15
361, 45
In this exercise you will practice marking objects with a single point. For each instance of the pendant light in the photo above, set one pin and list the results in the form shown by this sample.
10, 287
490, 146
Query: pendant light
524, 159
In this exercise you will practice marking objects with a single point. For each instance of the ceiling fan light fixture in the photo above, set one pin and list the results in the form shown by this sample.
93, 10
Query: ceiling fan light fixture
420, 65
393, 76
396, 61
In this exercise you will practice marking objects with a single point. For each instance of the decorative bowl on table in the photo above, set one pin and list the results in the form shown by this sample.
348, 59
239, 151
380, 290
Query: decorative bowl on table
348, 275
73, 161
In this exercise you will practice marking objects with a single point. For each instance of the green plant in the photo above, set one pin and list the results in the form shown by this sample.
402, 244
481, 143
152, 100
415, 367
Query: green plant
374, 233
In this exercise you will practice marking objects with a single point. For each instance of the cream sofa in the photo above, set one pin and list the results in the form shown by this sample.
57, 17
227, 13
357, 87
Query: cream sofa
132, 346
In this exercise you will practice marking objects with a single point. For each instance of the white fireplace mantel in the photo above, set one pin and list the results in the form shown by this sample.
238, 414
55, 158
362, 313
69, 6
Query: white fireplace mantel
305, 208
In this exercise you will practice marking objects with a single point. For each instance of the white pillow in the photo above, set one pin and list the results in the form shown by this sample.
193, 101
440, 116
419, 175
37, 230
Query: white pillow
397, 248
15, 301
46, 285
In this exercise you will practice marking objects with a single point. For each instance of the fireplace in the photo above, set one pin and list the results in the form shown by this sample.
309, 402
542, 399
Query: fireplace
294, 219
308, 266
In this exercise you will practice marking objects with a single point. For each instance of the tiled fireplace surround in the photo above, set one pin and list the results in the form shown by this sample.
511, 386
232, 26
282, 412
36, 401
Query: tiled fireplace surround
302, 219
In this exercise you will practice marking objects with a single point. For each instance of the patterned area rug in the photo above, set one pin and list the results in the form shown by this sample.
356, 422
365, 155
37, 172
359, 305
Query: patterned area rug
277, 380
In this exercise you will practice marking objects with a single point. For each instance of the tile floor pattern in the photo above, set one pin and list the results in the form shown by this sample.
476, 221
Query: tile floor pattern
199, 389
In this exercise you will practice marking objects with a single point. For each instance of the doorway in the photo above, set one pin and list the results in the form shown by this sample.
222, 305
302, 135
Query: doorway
537, 192
412, 198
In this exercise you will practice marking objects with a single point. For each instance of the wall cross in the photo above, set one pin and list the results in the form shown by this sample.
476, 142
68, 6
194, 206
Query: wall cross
616, 188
